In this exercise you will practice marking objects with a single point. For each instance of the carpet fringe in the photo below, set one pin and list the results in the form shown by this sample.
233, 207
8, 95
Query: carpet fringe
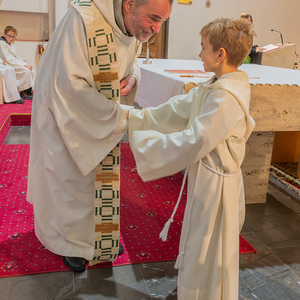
273, 171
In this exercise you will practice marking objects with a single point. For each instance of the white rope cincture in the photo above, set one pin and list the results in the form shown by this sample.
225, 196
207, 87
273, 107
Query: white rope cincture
179, 260
164, 233
217, 172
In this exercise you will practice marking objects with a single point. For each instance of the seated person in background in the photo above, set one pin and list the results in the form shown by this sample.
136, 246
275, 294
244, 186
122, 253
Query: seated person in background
24, 72
204, 132
255, 49
10, 91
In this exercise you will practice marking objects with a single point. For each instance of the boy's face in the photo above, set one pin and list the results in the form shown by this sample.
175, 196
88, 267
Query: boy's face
10, 36
209, 58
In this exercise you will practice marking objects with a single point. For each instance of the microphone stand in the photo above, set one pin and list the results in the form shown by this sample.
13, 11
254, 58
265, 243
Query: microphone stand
280, 36
147, 61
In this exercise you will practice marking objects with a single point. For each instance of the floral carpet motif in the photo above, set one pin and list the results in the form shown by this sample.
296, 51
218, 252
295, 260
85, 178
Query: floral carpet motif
145, 207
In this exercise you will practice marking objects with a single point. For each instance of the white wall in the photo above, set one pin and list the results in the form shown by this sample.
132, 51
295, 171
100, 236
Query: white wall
29, 52
61, 8
186, 22
184, 25
27, 5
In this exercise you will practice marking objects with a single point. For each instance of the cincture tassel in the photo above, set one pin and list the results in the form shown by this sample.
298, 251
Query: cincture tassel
164, 233
179, 261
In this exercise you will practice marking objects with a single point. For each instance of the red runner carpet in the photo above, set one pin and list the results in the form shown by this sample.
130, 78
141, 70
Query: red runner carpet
145, 207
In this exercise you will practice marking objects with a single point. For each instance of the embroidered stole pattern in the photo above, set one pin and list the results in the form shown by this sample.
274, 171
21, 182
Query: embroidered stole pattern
104, 66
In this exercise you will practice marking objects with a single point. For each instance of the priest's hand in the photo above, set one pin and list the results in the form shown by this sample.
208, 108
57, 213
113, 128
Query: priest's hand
126, 85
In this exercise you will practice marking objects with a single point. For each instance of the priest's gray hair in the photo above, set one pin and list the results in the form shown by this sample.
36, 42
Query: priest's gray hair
143, 2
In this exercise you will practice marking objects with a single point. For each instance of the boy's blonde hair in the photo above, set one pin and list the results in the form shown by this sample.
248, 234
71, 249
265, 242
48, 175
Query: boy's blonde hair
10, 28
234, 35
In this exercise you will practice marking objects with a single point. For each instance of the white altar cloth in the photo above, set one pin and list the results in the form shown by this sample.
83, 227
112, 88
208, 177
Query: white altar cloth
157, 86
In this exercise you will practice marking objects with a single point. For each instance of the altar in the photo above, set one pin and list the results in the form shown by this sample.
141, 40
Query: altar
275, 98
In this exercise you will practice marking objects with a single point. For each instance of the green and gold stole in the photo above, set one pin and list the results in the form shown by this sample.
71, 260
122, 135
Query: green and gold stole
104, 66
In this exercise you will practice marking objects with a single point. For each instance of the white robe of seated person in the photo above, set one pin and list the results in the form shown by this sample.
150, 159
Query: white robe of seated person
10, 91
23, 74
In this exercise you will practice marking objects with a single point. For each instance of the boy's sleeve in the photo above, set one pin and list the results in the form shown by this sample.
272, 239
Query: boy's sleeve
160, 154
166, 118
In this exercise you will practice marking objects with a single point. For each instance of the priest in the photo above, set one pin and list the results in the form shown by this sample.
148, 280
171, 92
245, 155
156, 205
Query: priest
86, 83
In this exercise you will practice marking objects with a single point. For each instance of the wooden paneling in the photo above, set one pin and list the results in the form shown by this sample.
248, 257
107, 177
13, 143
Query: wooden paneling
157, 44
286, 147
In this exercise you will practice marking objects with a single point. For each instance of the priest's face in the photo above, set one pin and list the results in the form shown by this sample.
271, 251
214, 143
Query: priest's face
144, 20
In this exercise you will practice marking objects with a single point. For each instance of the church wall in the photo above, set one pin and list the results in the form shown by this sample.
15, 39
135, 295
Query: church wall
33, 17
187, 20
61, 8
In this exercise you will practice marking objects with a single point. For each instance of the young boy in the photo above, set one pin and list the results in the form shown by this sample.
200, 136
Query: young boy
205, 133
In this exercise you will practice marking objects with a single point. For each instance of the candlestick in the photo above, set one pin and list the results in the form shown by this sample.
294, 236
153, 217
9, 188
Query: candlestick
147, 61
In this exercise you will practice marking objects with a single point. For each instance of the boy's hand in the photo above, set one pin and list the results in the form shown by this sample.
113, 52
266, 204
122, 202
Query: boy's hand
126, 85
29, 67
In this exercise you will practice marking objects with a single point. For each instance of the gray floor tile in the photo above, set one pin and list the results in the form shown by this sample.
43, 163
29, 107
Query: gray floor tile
4, 286
257, 270
17, 135
287, 287
281, 235
161, 279
124, 283
293, 219
50, 286
291, 257
277, 206
270, 227
259, 217
245, 292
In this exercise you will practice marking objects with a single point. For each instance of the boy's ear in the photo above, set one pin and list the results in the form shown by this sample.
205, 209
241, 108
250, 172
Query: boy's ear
222, 54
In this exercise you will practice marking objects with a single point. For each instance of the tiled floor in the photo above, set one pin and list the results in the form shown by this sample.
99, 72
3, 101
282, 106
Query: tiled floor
273, 274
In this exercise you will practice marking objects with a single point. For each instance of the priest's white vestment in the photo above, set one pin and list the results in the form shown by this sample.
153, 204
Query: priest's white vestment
73, 128
10, 91
204, 131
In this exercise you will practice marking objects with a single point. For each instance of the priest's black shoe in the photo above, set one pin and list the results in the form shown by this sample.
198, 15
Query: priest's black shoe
78, 264
75, 264
121, 249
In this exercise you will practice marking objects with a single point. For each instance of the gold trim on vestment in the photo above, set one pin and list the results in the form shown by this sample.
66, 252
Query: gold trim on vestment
104, 66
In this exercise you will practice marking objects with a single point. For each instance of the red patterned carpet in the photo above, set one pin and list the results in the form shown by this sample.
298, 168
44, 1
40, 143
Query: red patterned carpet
145, 207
